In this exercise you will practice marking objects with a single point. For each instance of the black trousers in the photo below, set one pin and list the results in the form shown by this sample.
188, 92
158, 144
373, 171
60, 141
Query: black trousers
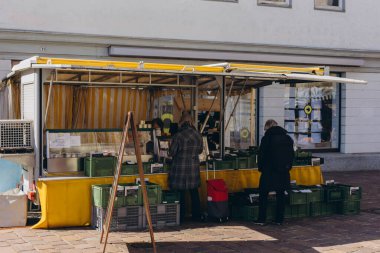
195, 203
280, 205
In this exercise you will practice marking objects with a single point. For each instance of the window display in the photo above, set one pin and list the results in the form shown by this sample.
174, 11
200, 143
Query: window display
240, 131
312, 115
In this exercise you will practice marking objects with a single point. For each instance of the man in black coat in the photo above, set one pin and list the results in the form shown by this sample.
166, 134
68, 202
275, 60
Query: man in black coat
184, 173
275, 161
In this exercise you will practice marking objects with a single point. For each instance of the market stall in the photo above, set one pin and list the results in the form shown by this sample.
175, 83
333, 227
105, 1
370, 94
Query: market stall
78, 108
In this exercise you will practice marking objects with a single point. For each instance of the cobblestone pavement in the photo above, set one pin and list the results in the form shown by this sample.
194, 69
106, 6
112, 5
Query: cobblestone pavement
334, 234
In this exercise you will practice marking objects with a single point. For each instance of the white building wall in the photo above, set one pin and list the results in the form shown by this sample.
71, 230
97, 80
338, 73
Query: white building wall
5, 67
361, 114
200, 20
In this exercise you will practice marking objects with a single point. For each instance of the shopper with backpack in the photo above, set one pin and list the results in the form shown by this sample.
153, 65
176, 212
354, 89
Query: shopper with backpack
274, 162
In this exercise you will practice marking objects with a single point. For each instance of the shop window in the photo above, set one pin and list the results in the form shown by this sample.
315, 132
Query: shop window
278, 3
312, 115
240, 131
330, 5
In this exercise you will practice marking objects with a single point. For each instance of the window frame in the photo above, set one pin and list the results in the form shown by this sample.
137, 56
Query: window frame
227, 1
287, 4
340, 8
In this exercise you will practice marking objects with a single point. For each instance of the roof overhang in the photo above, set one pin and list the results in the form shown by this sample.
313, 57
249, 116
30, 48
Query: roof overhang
264, 73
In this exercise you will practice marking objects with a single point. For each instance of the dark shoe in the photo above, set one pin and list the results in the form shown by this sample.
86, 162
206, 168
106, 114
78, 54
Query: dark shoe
259, 222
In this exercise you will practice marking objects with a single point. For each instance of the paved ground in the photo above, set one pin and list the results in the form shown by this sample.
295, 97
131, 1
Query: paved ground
334, 234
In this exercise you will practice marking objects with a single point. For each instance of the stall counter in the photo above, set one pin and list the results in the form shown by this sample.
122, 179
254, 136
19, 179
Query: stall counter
66, 202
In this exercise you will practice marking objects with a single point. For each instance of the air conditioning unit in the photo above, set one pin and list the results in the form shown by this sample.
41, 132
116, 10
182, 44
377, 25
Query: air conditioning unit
16, 136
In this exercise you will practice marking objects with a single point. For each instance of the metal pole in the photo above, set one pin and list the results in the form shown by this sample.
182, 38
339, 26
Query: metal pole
222, 85
237, 101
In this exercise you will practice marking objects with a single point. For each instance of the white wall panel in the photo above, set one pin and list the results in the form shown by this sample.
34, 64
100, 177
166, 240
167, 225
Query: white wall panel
360, 114
242, 22
361, 148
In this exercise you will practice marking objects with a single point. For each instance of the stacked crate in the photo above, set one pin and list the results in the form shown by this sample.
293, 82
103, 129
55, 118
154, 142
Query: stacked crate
128, 211
99, 166
351, 199
163, 215
297, 200
123, 218
302, 201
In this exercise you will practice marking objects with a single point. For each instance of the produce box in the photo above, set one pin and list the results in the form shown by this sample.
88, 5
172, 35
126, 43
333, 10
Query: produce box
219, 164
350, 193
301, 211
129, 169
349, 207
99, 166
236, 212
170, 197
101, 194
250, 213
123, 218
154, 193
133, 169
163, 215
297, 197
313, 193
242, 163
131, 194
333, 193
252, 160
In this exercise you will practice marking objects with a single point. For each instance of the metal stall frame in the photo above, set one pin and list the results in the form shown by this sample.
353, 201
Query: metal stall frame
160, 76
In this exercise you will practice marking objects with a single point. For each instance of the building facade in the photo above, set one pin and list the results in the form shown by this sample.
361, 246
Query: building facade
343, 34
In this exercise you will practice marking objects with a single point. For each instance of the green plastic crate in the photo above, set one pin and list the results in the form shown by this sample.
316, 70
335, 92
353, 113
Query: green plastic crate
242, 163
154, 194
349, 207
302, 210
250, 213
129, 169
333, 193
316, 209
350, 193
288, 212
99, 166
132, 193
330, 208
236, 212
224, 164
101, 194
133, 169
296, 197
169, 197
147, 168
316, 194
252, 160
323, 208
166, 168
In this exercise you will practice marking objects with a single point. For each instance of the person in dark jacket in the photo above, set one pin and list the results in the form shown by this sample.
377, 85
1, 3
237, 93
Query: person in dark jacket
274, 162
184, 173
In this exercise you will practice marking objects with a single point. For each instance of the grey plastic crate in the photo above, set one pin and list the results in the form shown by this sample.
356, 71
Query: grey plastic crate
163, 215
123, 218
